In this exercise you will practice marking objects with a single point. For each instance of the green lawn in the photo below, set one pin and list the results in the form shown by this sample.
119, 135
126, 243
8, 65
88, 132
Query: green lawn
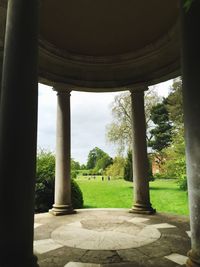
165, 195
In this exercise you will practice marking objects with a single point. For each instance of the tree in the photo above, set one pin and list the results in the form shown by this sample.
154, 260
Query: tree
116, 169
119, 131
128, 167
103, 163
83, 167
75, 165
94, 156
175, 103
162, 132
175, 165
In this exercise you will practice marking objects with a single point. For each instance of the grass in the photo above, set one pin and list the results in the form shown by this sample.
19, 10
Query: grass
165, 195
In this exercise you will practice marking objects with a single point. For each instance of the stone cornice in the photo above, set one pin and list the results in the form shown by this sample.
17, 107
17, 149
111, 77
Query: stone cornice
152, 64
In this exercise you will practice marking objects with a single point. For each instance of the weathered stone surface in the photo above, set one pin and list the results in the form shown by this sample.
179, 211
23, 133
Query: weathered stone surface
100, 256
105, 234
132, 255
119, 224
60, 257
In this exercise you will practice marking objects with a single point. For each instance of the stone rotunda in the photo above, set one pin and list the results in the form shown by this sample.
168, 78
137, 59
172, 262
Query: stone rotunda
94, 46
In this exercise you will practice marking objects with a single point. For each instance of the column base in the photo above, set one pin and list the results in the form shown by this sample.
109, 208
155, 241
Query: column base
194, 259
59, 210
142, 209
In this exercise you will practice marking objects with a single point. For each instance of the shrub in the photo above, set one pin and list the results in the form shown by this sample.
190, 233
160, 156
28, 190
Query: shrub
77, 196
183, 182
74, 174
44, 189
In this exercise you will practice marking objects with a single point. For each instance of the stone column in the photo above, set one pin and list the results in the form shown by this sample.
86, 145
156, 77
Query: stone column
0, 82
18, 133
62, 203
191, 98
0, 76
139, 149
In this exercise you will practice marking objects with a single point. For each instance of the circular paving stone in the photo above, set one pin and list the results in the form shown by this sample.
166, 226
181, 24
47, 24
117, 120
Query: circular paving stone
105, 234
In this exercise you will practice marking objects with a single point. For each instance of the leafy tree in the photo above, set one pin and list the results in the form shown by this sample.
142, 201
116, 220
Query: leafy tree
83, 167
103, 162
119, 131
172, 158
175, 103
75, 165
94, 155
175, 164
116, 169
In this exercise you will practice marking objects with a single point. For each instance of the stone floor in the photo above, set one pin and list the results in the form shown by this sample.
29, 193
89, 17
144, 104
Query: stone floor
111, 237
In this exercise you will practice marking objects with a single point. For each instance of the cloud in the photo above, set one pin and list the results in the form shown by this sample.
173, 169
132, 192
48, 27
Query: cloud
90, 113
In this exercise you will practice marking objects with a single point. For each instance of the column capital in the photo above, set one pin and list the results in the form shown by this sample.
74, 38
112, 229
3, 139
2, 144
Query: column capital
142, 89
62, 91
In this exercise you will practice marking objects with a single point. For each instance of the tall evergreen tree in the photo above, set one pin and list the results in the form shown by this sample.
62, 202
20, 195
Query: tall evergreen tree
162, 132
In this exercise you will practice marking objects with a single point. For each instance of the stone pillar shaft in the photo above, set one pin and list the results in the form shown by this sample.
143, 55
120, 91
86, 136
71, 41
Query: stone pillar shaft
140, 161
18, 133
62, 203
191, 95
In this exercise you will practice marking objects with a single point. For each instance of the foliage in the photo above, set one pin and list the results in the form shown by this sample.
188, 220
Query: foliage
150, 172
187, 4
119, 131
175, 103
128, 168
75, 165
162, 132
77, 196
116, 169
44, 189
94, 155
83, 167
74, 174
175, 165
175, 162
103, 163
98, 160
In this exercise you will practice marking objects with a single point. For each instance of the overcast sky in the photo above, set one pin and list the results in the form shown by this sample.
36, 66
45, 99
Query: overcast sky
90, 113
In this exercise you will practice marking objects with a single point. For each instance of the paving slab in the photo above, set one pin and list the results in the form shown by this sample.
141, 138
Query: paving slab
111, 238
177, 258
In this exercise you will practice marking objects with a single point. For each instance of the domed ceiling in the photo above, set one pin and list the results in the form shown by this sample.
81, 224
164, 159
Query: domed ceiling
106, 45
